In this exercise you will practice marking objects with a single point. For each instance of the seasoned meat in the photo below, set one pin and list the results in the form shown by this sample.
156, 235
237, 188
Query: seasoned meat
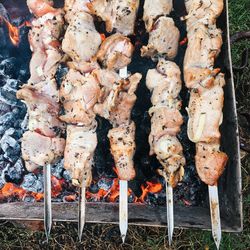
165, 121
79, 151
119, 100
163, 40
118, 14
44, 42
115, 52
41, 7
78, 94
210, 162
205, 11
122, 143
164, 82
154, 9
72, 7
169, 152
43, 112
81, 41
199, 66
205, 112
39, 150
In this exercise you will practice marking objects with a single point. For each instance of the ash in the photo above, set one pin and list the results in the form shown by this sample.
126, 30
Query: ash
14, 72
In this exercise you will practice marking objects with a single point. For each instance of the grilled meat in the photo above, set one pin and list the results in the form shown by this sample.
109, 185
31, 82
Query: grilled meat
119, 101
42, 7
199, 66
44, 42
117, 14
79, 151
78, 94
43, 112
163, 40
115, 52
205, 112
165, 84
155, 9
206, 12
39, 150
122, 143
210, 162
81, 41
72, 7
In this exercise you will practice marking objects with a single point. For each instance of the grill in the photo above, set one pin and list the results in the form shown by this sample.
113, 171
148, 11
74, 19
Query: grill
191, 212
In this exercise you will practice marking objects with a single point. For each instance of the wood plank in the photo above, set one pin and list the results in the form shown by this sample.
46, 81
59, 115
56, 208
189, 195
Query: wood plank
139, 214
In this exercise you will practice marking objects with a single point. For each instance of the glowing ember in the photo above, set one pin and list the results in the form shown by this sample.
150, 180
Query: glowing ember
184, 41
14, 32
11, 190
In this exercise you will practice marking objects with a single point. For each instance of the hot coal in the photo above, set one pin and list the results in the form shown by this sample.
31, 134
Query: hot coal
33, 182
14, 173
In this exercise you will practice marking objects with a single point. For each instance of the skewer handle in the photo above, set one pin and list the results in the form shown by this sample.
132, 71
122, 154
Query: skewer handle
215, 214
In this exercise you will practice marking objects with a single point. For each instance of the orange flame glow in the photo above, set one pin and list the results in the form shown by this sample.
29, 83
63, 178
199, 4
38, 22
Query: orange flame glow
14, 32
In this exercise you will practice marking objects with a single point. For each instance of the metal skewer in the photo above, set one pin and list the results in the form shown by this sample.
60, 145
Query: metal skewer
215, 214
47, 201
170, 212
81, 210
123, 198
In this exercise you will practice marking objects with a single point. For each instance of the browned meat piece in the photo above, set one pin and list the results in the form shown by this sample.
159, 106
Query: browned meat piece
122, 143
163, 40
205, 11
199, 66
115, 52
44, 42
43, 112
72, 7
169, 152
118, 14
164, 82
79, 151
165, 121
210, 162
119, 100
41, 7
205, 112
79, 94
81, 41
39, 150
155, 9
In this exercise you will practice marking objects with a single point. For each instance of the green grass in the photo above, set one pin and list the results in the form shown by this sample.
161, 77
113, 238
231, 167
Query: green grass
64, 235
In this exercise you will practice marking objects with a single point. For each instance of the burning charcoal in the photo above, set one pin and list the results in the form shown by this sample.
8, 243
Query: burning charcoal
10, 67
105, 183
23, 75
66, 175
93, 188
8, 93
4, 12
25, 122
62, 70
33, 183
28, 199
14, 173
4, 108
10, 146
57, 169
3, 41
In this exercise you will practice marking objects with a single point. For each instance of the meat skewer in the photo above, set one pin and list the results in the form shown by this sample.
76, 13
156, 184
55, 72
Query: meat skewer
79, 93
165, 85
42, 145
206, 100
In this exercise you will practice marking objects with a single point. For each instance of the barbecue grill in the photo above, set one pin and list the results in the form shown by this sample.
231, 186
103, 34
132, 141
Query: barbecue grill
197, 216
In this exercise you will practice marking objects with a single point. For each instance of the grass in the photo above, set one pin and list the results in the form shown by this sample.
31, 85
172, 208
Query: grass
64, 235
